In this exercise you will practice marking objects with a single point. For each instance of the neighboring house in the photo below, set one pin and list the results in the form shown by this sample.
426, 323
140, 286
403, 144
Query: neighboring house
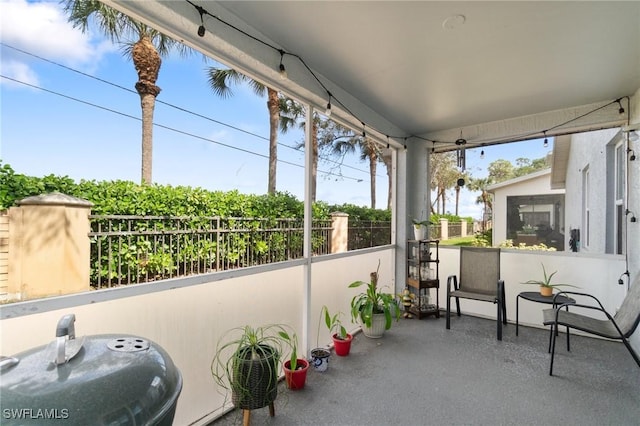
588, 175
527, 211
592, 168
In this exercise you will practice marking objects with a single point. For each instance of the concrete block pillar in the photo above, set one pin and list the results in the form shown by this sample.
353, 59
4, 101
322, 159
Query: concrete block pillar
339, 232
49, 248
444, 229
463, 228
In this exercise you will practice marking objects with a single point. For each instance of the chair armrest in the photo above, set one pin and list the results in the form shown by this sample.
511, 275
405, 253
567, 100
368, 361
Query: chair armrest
450, 279
578, 305
576, 293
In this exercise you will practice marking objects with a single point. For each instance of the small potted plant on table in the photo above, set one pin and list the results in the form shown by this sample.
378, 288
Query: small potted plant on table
546, 288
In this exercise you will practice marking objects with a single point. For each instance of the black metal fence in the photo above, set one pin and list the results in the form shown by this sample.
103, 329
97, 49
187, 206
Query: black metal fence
135, 249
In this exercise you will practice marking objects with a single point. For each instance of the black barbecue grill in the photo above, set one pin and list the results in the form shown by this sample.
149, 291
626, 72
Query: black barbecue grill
111, 379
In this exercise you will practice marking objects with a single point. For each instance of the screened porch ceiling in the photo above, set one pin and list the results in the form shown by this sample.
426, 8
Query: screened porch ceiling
409, 72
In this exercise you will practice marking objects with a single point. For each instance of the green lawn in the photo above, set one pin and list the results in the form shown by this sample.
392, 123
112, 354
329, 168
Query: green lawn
461, 241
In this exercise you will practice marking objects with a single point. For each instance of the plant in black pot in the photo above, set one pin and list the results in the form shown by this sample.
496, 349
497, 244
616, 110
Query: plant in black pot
373, 309
247, 362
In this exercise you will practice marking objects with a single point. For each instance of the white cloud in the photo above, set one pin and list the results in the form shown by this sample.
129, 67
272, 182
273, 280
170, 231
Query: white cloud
18, 71
42, 29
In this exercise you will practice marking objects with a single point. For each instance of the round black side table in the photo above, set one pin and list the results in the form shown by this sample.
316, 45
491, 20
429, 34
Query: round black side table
535, 296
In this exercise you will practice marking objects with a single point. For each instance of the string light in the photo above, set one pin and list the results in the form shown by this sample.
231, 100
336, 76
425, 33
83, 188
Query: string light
283, 75
327, 111
201, 28
482, 154
282, 69
546, 141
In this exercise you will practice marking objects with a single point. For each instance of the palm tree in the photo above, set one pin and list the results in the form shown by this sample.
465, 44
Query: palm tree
481, 184
291, 113
219, 79
387, 160
144, 45
442, 175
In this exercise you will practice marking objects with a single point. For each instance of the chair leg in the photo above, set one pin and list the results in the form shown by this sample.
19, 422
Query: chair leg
448, 314
499, 320
504, 307
458, 305
550, 337
553, 349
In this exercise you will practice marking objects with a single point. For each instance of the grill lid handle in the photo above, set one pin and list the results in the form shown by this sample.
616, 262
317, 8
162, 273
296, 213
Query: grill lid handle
66, 345
66, 326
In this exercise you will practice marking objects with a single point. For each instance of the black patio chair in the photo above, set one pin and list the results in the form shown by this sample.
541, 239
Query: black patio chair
617, 327
479, 280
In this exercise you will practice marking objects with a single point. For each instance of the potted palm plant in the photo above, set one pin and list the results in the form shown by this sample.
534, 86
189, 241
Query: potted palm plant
246, 362
341, 339
546, 288
373, 309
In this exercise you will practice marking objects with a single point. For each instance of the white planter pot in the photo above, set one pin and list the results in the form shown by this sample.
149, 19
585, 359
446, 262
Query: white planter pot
377, 327
320, 359
418, 232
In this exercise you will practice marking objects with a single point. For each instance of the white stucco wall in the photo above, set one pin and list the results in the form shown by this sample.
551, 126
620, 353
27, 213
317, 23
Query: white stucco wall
588, 150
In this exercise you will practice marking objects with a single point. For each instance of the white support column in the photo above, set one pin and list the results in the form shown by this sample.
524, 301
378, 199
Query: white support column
308, 218
413, 198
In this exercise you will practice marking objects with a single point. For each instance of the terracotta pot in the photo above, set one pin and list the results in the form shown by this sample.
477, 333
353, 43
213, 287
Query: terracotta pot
298, 377
342, 346
546, 291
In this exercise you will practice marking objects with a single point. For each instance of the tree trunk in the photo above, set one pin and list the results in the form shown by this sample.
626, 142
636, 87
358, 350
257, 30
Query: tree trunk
373, 166
274, 114
147, 62
147, 102
387, 159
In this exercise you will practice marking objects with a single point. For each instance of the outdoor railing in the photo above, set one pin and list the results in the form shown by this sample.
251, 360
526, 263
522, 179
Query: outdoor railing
363, 234
136, 249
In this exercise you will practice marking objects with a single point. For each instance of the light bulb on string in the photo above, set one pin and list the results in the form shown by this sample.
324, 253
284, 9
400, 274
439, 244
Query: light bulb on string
482, 154
282, 69
201, 28
327, 111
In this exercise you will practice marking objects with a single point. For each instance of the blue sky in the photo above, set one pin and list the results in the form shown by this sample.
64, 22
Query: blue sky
43, 133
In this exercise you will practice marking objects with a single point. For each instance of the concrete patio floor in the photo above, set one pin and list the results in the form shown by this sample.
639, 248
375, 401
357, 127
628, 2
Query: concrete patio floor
419, 373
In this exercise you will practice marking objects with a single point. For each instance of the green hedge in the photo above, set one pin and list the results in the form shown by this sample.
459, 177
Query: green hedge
128, 198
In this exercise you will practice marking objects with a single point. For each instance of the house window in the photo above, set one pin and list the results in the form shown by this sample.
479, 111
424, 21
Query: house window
585, 208
536, 219
619, 173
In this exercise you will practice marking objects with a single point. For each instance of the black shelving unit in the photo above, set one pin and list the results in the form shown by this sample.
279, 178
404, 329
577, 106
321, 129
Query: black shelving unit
423, 274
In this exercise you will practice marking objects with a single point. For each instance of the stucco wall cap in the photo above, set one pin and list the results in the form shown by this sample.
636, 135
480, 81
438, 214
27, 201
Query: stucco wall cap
54, 199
